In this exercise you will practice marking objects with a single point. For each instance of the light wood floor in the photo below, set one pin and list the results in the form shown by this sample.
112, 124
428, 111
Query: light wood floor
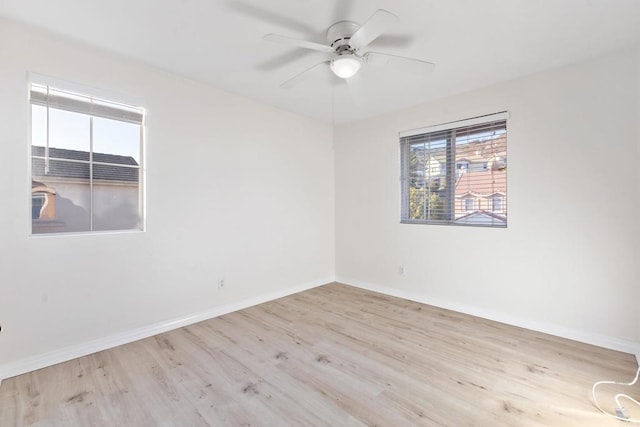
331, 356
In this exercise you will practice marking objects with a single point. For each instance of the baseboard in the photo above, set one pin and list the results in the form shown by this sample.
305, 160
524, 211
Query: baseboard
551, 329
68, 353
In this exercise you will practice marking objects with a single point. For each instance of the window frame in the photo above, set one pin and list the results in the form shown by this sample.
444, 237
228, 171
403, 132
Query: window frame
109, 105
446, 132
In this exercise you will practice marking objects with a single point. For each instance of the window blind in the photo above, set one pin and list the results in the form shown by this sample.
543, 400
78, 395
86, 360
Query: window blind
48, 96
456, 173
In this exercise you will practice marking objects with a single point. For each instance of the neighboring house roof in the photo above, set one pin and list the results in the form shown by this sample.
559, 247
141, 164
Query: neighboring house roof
80, 170
482, 150
472, 194
482, 217
482, 183
40, 187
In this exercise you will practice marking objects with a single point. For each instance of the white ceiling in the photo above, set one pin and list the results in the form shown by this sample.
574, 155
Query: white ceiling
474, 43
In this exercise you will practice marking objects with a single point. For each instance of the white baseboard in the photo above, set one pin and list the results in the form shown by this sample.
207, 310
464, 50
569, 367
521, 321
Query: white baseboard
551, 329
62, 355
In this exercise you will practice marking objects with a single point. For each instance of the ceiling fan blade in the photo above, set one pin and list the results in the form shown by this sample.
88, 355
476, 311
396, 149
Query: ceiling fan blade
379, 22
390, 41
400, 63
301, 76
276, 38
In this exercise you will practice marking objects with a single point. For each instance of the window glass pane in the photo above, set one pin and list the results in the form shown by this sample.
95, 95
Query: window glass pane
38, 126
116, 188
117, 138
484, 150
437, 183
427, 183
60, 201
69, 133
115, 198
417, 182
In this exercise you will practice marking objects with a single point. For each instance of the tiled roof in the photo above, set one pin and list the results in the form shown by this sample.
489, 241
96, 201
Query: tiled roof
80, 170
482, 150
482, 183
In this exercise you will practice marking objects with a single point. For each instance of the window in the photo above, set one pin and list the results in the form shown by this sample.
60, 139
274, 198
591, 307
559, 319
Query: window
472, 159
86, 160
462, 166
468, 204
37, 202
496, 203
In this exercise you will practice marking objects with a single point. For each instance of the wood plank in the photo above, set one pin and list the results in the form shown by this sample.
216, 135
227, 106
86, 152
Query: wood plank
333, 355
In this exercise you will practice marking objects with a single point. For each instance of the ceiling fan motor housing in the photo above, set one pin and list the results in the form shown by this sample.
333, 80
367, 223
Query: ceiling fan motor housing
346, 43
339, 34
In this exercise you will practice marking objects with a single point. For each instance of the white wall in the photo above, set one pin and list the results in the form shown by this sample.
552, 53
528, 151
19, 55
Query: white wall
245, 192
235, 190
568, 262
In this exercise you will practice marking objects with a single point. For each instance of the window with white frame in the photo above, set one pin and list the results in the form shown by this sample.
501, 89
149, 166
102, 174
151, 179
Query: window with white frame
86, 163
479, 147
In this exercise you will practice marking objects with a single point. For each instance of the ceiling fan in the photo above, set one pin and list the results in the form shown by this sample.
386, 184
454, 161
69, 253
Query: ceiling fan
346, 42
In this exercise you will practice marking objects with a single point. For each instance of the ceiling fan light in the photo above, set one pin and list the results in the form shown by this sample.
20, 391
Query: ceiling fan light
345, 66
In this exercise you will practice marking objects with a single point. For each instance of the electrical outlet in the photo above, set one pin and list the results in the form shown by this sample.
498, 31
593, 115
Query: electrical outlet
402, 270
221, 284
